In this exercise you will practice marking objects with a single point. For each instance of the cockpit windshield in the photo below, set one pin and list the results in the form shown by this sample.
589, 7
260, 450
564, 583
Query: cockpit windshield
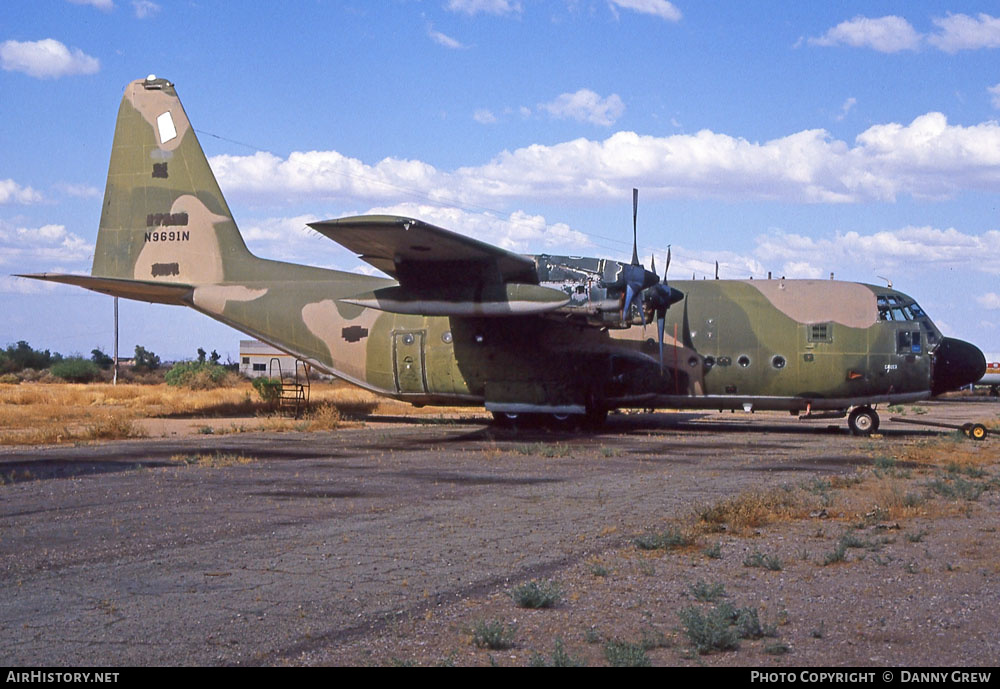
898, 307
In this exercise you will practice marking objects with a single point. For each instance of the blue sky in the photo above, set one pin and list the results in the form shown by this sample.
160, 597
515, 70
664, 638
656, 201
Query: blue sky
858, 138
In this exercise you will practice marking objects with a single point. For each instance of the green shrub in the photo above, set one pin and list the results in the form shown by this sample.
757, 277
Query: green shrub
198, 375
560, 658
537, 594
269, 389
624, 654
759, 559
668, 539
494, 635
711, 631
75, 370
704, 591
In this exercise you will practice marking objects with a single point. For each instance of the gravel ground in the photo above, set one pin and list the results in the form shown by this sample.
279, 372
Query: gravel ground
396, 542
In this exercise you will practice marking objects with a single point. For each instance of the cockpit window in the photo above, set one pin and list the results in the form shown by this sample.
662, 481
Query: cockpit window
893, 308
908, 342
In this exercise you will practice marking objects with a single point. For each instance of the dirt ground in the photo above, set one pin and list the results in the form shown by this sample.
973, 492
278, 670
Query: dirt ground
402, 541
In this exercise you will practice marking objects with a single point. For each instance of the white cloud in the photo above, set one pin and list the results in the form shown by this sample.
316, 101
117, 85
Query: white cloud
484, 116
82, 191
586, 106
290, 239
444, 40
11, 284
518, 231
145, 8
105, 5
12, 192
893, 34
473, 7
45, 59
657, 8
25, 247
994, 92
927, 158
846, 108
962, 32
889, 253
886, 34
990, 300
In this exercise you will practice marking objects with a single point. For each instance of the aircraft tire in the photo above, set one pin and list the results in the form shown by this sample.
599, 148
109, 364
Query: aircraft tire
863, 421
505, 419
562, 421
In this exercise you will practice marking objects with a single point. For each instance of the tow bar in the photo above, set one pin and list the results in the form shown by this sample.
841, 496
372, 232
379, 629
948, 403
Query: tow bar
976, 431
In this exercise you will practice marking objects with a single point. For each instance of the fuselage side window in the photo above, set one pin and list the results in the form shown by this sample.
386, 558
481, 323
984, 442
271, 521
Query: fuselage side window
821, 332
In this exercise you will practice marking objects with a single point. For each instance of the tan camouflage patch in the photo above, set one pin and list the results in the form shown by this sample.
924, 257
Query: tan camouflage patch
213, 298
152, 104
183, 253
820, 301
347, 352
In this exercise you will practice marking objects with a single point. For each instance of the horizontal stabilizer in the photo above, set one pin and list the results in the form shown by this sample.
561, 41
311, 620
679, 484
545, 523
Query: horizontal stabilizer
140, 290
512, 299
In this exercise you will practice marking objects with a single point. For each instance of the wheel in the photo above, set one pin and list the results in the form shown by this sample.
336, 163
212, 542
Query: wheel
505, 419
978, 432
863, 421
562, 421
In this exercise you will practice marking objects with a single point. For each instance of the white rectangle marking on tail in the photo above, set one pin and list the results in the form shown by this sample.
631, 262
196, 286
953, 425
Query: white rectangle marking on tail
165, 123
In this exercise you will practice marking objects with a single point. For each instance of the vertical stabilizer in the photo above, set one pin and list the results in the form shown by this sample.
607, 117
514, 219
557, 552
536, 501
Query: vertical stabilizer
164, 218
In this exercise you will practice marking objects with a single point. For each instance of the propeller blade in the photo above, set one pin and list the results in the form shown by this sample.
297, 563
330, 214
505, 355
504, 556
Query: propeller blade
661, 319
716, 270
635, 212
665, 270
652, 264
630, 291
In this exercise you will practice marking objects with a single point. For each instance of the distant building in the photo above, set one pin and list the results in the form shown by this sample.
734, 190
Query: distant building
255, 360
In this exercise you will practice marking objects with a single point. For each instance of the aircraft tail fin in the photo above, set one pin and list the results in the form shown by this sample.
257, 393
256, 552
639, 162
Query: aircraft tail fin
164, 218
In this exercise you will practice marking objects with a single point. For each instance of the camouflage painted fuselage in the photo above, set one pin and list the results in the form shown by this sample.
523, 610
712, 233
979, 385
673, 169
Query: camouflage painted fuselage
518, 334
777, 344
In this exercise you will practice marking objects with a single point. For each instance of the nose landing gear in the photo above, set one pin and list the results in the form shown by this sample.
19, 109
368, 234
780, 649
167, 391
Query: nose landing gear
863, 420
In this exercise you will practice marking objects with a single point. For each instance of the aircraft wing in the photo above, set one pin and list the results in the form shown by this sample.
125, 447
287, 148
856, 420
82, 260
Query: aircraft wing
422, 256
440, 273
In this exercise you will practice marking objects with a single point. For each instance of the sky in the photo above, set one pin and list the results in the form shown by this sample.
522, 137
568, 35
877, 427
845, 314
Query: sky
853, 138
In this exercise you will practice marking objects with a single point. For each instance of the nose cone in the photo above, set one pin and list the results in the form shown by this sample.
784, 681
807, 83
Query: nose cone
956, 363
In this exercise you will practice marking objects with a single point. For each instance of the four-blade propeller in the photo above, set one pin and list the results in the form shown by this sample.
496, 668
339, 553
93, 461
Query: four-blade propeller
635, 277
659, 294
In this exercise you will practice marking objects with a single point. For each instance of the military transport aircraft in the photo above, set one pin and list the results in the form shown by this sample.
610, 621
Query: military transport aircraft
465, 322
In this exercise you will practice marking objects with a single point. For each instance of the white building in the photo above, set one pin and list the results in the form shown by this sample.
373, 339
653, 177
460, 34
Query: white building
255, 360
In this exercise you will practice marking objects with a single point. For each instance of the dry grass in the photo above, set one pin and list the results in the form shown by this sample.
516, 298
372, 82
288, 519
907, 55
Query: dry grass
754, 509
216, 460
892, 489
324, 417
57, 413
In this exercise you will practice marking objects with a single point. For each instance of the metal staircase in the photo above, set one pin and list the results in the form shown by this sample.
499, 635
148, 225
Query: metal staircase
293, 393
